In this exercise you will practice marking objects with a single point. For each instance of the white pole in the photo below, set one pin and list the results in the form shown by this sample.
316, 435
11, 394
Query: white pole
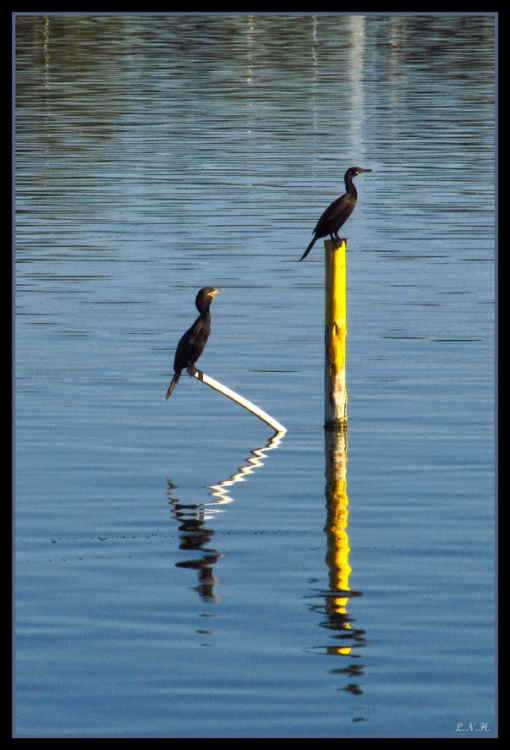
239, 400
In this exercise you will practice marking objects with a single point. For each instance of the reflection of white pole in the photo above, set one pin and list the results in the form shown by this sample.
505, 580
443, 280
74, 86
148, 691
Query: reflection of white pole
221, 489
239, 400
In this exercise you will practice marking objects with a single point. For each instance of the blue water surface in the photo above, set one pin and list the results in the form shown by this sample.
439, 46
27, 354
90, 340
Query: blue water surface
179, 572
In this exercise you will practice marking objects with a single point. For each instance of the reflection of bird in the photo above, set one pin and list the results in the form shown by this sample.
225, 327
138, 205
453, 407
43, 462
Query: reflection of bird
339, 211
193, 342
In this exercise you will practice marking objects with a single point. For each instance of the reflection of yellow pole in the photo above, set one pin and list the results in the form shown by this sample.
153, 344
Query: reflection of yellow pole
336, 333
337, 555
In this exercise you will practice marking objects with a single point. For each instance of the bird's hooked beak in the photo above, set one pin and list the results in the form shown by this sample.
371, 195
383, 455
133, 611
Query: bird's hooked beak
363, 170
214, 292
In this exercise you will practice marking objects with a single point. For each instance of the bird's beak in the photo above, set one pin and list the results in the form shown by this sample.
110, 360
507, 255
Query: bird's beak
365, 170
215, 292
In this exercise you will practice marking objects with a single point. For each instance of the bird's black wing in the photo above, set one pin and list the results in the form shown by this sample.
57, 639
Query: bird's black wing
335, 215
191, 345
197, 345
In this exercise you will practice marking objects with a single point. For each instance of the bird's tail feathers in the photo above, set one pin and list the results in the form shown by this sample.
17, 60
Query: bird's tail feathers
312, 243
173, 383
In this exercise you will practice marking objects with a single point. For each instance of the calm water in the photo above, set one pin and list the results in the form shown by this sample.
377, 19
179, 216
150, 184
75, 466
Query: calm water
178, 572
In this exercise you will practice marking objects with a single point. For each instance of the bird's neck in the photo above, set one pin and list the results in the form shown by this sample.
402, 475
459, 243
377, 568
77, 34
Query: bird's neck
350, 186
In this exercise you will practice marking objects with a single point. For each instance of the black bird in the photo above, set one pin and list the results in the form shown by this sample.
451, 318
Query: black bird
193, 342
339, 211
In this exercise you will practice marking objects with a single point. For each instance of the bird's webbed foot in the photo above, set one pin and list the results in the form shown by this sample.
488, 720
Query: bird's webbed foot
195, 372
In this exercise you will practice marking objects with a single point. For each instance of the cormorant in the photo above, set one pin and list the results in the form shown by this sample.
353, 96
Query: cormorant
339, 211
193, 342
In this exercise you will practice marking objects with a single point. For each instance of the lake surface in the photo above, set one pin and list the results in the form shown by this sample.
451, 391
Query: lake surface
179, 571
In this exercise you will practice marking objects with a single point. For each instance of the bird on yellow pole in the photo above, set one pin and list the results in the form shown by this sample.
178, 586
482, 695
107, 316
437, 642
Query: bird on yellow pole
337, 214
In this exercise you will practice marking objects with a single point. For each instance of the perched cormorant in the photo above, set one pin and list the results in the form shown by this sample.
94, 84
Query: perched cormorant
193, 342
339, 211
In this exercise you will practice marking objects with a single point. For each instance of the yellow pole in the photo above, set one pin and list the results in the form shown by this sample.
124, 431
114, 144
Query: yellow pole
336, 334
